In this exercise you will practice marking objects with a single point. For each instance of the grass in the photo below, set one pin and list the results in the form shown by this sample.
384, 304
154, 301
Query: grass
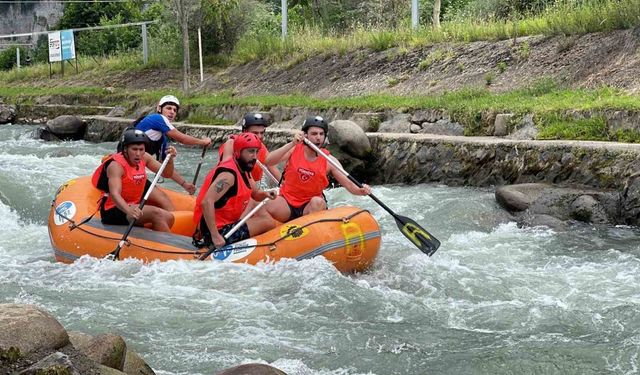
564, 18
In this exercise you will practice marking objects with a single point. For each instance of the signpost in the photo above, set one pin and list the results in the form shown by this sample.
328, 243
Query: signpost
62, 48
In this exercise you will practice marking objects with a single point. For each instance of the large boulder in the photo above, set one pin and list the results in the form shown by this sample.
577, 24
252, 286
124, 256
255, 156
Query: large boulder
67, 127
7, 114
30, 329
350, 138
133, 363
106, 349
252, 369
630, 201
55, 363
398, 123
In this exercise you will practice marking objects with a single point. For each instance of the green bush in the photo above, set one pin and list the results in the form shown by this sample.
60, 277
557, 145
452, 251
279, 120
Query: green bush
8, 57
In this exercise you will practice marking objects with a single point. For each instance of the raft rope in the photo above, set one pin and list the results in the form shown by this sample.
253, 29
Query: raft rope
297, 230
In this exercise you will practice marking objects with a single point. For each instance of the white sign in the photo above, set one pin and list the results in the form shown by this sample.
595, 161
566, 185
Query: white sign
64, 212
55, 47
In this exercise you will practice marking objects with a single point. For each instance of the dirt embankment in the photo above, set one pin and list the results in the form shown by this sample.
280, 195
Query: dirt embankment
586, 61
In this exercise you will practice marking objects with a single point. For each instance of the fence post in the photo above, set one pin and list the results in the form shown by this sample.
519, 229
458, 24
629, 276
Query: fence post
18, 57
145, 48
414, 14
284, 18
200, 54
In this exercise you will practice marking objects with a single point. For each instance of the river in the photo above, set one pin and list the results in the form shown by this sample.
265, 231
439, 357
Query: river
495, 299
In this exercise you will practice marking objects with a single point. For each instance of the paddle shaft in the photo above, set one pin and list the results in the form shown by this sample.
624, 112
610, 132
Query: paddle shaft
235, 228
116, 253
195, 178
416, 234
267, 172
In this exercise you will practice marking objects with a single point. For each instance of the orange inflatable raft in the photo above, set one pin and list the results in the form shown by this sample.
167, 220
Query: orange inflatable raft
347, 236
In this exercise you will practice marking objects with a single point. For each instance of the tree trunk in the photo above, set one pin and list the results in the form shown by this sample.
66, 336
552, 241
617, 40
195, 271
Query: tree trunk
436, 14
186, 62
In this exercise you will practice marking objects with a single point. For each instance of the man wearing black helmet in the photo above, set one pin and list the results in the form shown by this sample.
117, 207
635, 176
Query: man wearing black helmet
257, 124
123, 176
305, 175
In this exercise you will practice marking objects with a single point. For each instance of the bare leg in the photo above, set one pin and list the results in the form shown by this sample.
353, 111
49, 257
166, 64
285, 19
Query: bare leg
279, 209
315, 204
161, 220
160, 199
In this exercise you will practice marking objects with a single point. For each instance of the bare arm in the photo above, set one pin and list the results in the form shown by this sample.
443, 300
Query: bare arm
283, 153
274, 170
218, 188
345, 181
187, 139
227, 150
154, 165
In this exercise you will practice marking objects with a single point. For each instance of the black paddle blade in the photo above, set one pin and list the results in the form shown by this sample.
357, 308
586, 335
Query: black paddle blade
417, 235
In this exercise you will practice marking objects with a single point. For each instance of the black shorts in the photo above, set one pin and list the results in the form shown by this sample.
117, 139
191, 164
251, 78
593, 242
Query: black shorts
296, 212
202, 237
113, 216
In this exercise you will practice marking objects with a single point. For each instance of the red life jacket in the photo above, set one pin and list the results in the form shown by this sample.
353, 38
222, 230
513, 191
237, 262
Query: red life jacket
133, 180
304, 179
256, 173
232, 209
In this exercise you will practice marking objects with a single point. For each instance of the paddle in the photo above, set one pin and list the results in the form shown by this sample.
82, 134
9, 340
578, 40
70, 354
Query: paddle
115, 254
234, 229
195, 178
412, 230
268, 172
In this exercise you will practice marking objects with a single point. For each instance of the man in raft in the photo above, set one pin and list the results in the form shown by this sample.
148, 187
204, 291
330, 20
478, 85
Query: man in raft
257, 124
226, 195
159, 129
305, 174
123, 176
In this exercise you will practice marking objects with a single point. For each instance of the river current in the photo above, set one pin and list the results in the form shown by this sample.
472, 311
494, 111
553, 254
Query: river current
494, 299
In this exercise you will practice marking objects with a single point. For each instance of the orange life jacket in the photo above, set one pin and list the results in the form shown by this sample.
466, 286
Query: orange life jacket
304, 179
231, 209
133, 180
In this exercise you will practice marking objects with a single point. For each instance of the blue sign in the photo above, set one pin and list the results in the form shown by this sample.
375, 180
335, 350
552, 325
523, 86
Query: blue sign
68, 45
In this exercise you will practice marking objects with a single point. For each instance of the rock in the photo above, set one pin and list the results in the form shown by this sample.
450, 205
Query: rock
544, 220
516, 198
368, 121
80, 340
501, 124
135, 365
28, 329
415, 128
143, 111
586, 208
398, 123
444, 127
42, 132
349, 137
55, 363
630, 201
106, 370
428, 115
107, 349
117, 111
7, 114
67, 127
252, 369
526, 129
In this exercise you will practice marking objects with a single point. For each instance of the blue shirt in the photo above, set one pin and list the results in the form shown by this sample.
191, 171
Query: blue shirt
156, 127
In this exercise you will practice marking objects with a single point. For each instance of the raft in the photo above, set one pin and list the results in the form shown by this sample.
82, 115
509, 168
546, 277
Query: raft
347, 236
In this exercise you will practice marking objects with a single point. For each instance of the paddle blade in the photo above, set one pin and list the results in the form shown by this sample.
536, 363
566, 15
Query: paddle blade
417, 235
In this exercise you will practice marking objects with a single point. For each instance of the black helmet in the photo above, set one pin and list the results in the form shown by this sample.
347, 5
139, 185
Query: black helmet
316, 121
251, 119
133, 136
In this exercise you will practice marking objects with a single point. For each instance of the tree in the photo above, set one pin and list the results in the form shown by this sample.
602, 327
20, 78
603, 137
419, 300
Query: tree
183, 10
436, 14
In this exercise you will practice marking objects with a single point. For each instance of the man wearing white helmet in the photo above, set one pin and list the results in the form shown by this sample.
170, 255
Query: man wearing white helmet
159, 129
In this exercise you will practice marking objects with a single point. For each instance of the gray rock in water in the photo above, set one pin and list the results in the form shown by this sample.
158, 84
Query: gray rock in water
7, 114
29, 329
516, 198
67, 127
44, 133
543, 220
107, 349
350, 138
588, 209
252, 369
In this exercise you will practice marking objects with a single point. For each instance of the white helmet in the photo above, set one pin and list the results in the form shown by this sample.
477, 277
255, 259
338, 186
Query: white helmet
168, 99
